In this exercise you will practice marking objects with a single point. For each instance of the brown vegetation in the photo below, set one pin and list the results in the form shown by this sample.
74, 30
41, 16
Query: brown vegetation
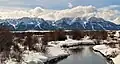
5, 44
77, 35
92, 34
98, 35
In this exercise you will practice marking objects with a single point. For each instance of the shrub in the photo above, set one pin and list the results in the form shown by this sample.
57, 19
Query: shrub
5, 44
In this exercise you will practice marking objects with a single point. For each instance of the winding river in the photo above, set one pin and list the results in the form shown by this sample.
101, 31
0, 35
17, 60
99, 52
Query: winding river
83, 55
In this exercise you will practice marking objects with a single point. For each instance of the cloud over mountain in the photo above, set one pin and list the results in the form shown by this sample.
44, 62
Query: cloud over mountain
79, 11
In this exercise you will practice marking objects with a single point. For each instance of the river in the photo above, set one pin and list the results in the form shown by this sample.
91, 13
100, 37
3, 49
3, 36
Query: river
83, 55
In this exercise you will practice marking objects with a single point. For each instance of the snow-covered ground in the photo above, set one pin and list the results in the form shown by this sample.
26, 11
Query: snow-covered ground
70, 42
109, 41
116, 60
108, 51
56, 51
31, 57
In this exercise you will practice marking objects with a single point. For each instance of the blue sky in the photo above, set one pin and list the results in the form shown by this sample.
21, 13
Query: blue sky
56, 4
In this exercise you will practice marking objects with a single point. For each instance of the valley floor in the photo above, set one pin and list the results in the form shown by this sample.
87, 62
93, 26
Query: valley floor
56, 49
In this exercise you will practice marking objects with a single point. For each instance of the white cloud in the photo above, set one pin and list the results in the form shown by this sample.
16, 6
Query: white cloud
79, 11
108, 14
70, 5
111, 7
36, 11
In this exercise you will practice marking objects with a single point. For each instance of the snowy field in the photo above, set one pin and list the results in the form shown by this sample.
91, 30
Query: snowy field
113, 53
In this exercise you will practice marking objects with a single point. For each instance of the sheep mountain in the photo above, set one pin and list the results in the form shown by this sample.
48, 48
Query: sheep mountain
26, 23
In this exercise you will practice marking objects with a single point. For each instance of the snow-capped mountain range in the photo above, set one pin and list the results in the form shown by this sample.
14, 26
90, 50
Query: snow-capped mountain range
77, 23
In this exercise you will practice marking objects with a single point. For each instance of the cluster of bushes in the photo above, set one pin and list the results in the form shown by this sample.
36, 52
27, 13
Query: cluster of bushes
77, 35
55, 36
5, 44
98, 35
92, 34
60, 35
10, 45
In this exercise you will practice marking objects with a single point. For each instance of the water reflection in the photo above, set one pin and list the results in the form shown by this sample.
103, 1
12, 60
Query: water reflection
76, 50
83, 55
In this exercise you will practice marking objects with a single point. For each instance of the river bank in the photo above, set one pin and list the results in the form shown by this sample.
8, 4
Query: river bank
112, 54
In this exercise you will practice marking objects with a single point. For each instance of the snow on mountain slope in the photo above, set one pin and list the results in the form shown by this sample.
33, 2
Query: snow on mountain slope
66, 23
117, 20
92, 23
